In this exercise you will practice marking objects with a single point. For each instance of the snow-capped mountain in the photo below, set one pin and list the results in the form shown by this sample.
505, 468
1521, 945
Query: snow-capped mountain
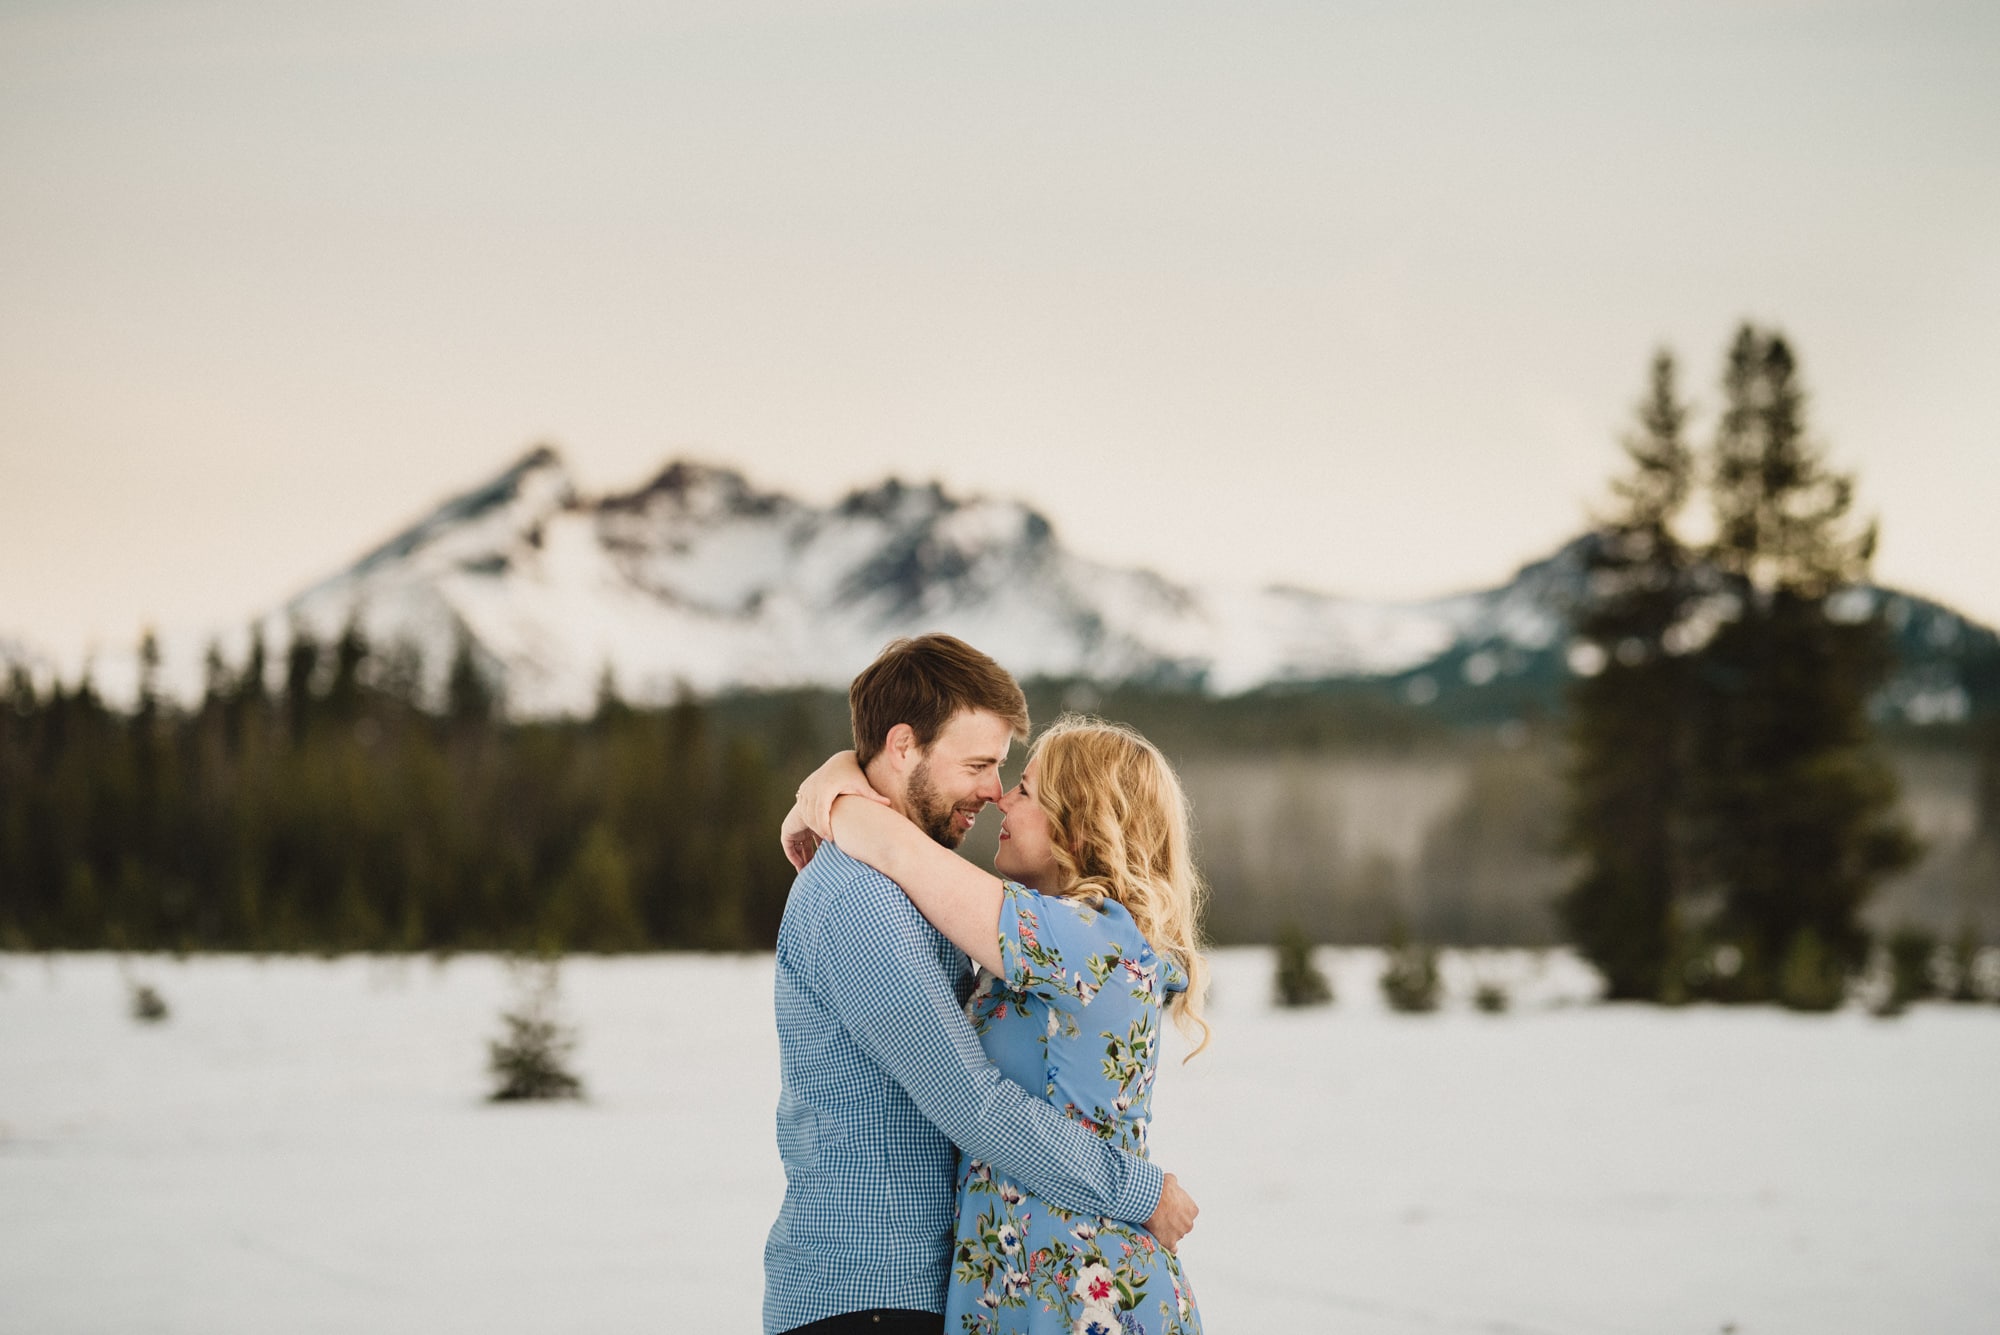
701, 580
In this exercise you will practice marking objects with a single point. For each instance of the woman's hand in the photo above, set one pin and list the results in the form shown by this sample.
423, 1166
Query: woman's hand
838, 777
799, 842
958, 898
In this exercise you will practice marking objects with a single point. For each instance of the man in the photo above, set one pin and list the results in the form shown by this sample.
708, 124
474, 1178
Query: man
882, 1073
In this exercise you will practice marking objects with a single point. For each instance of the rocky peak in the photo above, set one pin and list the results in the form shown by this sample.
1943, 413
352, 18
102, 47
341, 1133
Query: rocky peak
689, 488
520, 499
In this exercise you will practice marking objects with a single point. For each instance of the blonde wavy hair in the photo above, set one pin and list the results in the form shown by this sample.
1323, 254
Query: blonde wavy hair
1118, 827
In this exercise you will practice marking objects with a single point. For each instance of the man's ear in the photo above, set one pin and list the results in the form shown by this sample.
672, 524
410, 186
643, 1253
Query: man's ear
900, 746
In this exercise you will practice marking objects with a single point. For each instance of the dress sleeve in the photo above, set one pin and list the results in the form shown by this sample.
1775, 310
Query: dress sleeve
879, 971
1066, 950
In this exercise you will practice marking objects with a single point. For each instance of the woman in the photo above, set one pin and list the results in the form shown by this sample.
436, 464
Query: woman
1088, 939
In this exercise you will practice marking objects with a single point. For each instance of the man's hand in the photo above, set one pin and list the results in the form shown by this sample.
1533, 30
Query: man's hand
800, 843
1174, 1215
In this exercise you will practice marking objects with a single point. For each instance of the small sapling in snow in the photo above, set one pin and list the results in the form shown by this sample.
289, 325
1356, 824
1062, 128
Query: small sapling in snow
1298, 981
1410, 981
147, 1005
532, 1060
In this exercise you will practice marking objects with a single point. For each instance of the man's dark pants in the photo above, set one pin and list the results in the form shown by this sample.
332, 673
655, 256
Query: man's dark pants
877, 1321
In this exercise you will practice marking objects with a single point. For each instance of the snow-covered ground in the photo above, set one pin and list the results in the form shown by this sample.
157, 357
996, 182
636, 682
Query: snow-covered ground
302, 1147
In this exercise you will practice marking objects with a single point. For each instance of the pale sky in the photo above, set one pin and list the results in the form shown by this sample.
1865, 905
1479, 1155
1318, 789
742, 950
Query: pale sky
1349, 296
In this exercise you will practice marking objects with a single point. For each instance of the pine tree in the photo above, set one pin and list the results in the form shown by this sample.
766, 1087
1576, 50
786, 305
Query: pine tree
1912, 969
1410, 981
343, 693
1629, 723
1794, 812
1782, 522
1297, 981
250, 700
1725, 797
149, 679
470, 701
301, 665
611, 707
532, 1061
215, 682
20, 714
144, 1003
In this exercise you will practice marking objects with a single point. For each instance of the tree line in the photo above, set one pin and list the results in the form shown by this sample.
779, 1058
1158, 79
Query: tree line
341, 810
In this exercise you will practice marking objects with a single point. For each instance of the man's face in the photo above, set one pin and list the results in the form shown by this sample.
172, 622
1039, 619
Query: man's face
952, 782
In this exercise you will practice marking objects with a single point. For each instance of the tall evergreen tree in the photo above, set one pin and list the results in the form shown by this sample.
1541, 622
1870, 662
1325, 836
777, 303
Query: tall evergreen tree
148, 708
611, 707
470, 700
301, 666
1725, 796
250, 699
215, 683
1795, 813
251, 686
350, 654
1629, 724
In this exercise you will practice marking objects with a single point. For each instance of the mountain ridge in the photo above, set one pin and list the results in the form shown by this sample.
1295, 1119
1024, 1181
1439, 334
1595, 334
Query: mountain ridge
700, 580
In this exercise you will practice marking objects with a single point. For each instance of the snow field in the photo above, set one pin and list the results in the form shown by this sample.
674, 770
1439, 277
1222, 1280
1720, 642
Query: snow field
303, 1147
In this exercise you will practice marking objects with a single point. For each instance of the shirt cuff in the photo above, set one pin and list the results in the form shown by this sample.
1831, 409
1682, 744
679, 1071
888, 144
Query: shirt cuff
1141, 1196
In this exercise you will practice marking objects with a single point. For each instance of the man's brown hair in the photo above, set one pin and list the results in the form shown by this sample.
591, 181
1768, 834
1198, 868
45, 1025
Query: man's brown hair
923, 682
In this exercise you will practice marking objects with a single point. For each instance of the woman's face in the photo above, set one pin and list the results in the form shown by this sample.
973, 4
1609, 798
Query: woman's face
1025, 853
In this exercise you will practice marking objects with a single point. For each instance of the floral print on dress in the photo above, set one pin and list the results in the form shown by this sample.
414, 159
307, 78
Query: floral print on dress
1076, 1013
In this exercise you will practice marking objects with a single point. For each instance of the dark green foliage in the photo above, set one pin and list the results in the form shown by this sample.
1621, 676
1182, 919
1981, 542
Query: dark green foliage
1720, 972
469, 700
301, 666
532, 1060
1964, 970
146, 1004
345, 814
1795, 812
1813, 978
1490, 997
1630, 720
1912, 973
1297, 981
1726, 790
1410, 981
1782, 515
592, 907
344, 693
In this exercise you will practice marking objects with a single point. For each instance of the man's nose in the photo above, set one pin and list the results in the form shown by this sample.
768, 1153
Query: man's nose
990, 789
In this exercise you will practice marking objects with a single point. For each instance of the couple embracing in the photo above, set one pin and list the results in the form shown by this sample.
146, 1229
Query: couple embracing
967, 1150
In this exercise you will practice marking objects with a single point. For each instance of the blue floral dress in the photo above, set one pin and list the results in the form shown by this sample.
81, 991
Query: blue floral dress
1076, 1015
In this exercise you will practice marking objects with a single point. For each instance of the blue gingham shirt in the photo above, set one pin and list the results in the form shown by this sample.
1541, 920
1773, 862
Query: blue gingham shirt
881, 1075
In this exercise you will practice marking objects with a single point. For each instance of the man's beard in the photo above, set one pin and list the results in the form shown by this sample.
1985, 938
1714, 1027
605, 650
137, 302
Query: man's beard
932, 813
